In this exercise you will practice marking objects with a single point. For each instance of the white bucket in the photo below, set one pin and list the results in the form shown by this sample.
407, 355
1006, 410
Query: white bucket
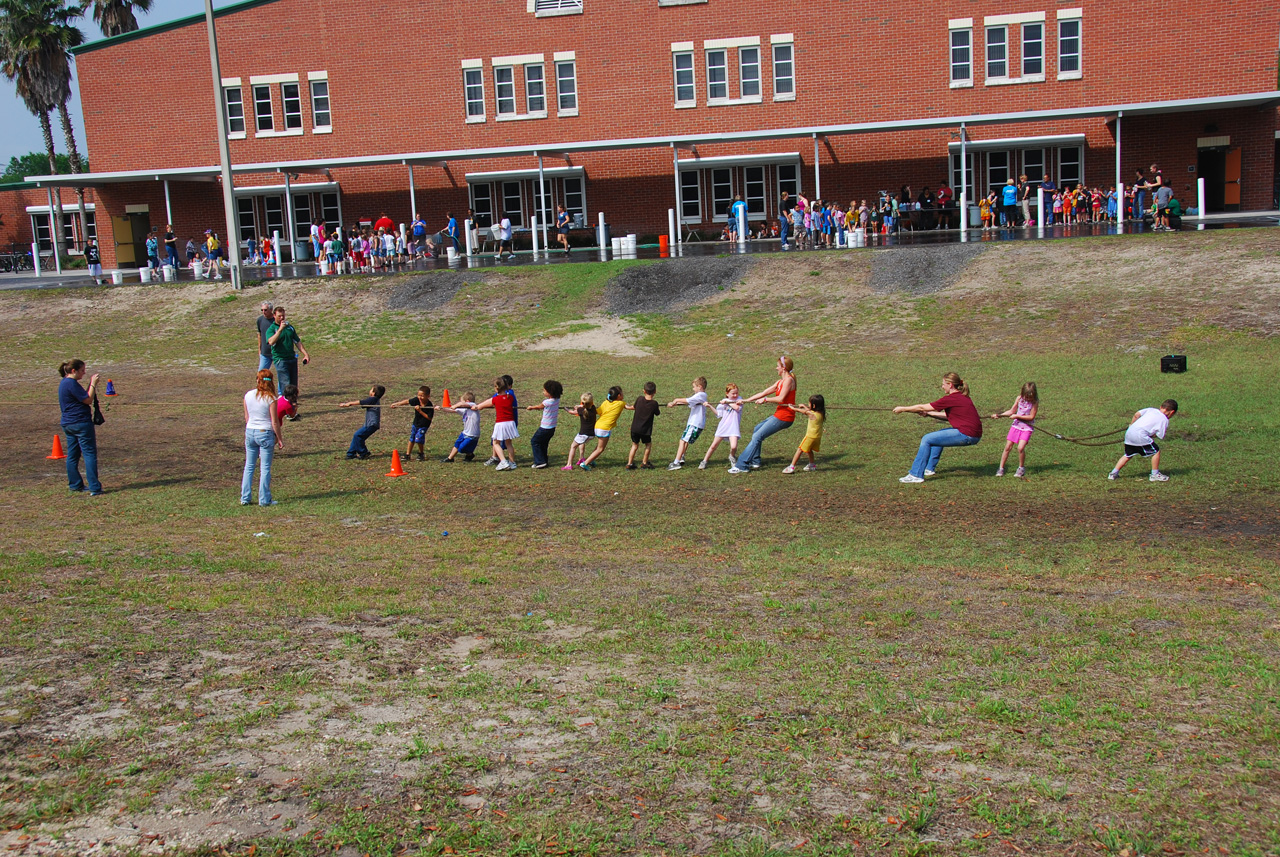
197, 268
324, 266
453, 253
117, 277
144, 275
617, 244
631, 241
170, 274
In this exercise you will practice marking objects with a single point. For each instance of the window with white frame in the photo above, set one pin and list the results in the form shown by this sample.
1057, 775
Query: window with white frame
71, 225
301, 216
968, 176
535, 89
685, 89
504, 85
473, 91
330, 211
1069, 49
482, 204
749, 72
40, 228
1070, 166
753, 190
788, 180
717, 74
320, 114
513, 203
246, 219
567, 87
997, 170
690, 197
784, 72
291, 98
962, 57
997, 53
234, 100
721, 191
575, 198
1033, 166
1033, 50
273, 209
262, 108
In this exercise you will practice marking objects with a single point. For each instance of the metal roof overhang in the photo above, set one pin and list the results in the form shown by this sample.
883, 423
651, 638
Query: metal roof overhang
1019, 142
740, 160
518, 175
1144, 108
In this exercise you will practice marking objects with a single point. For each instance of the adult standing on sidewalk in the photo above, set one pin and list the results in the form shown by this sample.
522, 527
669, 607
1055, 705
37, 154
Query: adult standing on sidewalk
1025, 192
782, 393
285, 343
77, 423
785, 208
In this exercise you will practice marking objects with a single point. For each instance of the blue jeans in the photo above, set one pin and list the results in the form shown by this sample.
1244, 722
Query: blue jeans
540, 441
171, 256
768, 426
82, 441
286, 373
1139, 205
784, 229
931, 446
358, 440
258, 443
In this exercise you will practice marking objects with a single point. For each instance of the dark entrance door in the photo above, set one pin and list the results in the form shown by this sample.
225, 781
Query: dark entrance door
1211, 165
141, 225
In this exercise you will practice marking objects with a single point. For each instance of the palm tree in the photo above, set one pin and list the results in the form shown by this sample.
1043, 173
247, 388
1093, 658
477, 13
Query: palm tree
36, 37
116, 16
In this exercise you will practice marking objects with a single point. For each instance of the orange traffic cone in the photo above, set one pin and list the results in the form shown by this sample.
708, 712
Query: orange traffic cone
396, 469
447, 403
57, 453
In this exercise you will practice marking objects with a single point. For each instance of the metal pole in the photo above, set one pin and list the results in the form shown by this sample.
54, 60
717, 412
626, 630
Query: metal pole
542, 203
292, 225
1201, 207
413, 196
224, 150
1119, 115
817, 176
57, 258
1040, 210
964, 177
675, 166
168, 206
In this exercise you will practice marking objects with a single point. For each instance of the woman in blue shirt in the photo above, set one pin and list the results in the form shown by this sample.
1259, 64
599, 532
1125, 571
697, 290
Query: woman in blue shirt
77, 423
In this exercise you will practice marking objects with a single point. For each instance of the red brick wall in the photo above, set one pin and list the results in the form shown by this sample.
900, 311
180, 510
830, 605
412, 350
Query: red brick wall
15, 222
405, 94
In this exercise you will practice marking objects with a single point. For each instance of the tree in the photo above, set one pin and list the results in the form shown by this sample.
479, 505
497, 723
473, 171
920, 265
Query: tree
36, 38
34, 164
115, 17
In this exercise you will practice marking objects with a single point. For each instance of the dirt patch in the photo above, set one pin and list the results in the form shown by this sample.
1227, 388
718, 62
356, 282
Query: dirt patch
608, 336
428, 291
674, 284
921, 270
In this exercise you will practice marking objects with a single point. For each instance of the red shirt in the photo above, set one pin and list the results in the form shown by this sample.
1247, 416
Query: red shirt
961, 413
504, 408
285, 408
385, 223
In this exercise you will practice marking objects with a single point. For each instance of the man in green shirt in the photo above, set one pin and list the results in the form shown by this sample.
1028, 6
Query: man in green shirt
285, 343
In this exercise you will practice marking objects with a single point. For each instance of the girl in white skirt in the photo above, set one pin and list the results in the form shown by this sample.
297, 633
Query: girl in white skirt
504, 426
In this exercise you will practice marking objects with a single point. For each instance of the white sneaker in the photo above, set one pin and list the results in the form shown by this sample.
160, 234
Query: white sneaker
675, 465
1112, 476
929, 473
999, 471
911, 480
733, 461
736, 469
702, 465
809, 468
788, 469
493, 459
1157, 476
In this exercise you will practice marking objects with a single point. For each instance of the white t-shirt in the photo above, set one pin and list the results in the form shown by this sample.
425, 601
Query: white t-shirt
470, 421
697, 413
550, 413
388, 241
730, 424
259, 408
505, 226
1151, 423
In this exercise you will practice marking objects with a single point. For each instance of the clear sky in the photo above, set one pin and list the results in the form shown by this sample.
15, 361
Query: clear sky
20, 130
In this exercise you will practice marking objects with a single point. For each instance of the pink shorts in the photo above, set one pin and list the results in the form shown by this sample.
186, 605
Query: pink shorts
1017, 433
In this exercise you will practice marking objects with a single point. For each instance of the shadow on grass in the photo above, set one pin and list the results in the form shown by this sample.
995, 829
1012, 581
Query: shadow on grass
330, 495
159, 483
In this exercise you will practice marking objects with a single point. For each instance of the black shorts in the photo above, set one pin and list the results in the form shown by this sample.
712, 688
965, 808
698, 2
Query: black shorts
645, 439
564, 230
1145, 451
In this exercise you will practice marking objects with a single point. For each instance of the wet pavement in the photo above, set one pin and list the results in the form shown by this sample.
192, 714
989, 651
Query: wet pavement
917, 238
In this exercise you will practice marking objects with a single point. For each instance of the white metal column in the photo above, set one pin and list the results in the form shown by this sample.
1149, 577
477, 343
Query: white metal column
290, 224
675, 165
53, 236
224, 150
542, 202
413, 196
168, 206
817, 176
1119, 116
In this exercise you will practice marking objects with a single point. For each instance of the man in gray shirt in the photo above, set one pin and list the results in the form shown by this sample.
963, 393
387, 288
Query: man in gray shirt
1163, 194
265, 319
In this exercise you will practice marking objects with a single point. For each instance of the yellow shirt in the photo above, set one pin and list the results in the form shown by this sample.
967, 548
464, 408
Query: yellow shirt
813, 433
607, 414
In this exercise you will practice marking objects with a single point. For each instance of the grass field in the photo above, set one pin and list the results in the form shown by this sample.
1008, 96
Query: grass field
615, 662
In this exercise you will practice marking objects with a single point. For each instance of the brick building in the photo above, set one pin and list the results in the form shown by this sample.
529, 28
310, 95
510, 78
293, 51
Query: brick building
633, 108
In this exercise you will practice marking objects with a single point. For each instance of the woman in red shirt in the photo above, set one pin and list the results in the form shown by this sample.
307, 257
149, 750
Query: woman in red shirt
955, 407
781, 393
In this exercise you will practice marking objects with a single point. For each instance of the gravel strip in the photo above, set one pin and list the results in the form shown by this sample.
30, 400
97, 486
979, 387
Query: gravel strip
673, 283
429, 291
921, 270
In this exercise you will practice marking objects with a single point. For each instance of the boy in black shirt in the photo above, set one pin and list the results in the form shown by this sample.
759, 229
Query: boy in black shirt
372, 405
423, 412
642, 426
93, 259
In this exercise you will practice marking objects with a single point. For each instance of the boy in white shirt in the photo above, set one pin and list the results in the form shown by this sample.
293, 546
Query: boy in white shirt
1146, 425
697, 420
470, 436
